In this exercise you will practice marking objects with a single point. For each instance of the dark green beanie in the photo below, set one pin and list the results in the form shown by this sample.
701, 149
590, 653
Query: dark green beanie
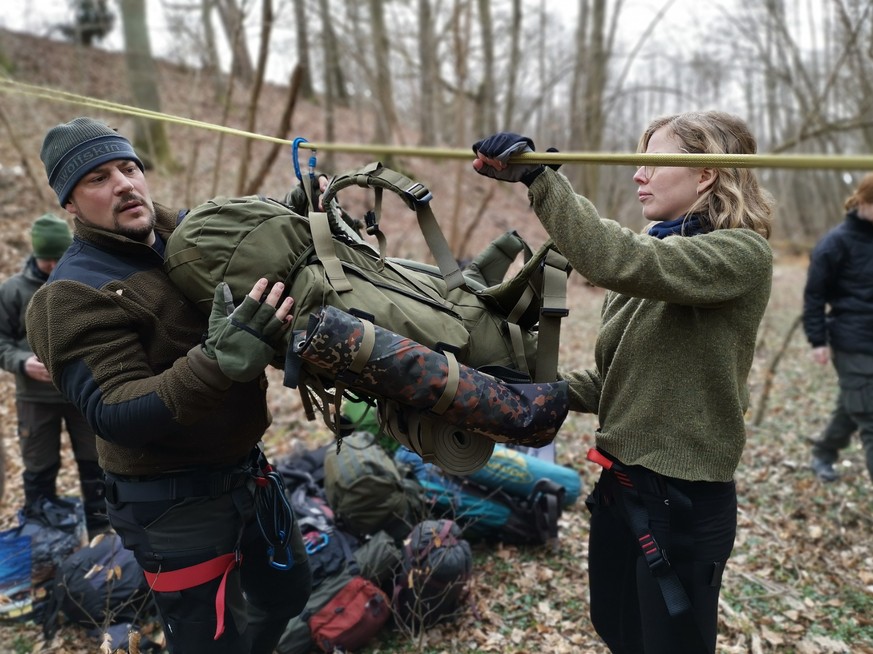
72, 150
50, 237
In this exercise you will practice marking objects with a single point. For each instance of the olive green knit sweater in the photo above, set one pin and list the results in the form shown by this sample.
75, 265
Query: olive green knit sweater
677, 335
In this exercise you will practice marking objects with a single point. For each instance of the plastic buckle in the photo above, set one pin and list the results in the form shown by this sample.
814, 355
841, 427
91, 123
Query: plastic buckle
657, 561
418, 193
371, 223
110, 492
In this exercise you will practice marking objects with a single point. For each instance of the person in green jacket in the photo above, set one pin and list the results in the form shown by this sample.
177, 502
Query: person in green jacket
42, 411
678, 328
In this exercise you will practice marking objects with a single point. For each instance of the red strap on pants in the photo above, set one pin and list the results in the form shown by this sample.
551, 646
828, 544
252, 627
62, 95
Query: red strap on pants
195, 575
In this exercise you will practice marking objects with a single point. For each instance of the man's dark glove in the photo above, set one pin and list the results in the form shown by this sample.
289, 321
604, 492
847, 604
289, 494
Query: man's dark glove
501, 146
242, 339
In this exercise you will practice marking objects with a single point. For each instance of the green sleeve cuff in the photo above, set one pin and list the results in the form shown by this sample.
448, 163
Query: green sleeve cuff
207, 370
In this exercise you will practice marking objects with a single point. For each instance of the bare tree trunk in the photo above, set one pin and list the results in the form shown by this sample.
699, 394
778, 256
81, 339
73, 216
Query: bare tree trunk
284, 127
36, 179
255, 95
301, 33
211, 66
329, 91
514, 59
598, 61
859, 62
485, 111
541, 67
333, 71
428, 79
460, 32
577, 99
232, 19
386, 118
150, 136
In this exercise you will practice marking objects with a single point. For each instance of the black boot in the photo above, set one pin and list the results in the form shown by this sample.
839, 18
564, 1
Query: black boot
39, 485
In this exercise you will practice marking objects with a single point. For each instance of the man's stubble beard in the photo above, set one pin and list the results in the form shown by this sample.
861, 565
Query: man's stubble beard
140, 233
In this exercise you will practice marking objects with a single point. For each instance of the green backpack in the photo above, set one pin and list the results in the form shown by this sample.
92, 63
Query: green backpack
507, 332
366, 490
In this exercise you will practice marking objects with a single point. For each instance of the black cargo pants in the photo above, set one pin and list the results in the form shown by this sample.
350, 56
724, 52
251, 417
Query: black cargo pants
169, 535
628, 610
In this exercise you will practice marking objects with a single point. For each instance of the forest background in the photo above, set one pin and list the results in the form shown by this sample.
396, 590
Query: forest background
389, 76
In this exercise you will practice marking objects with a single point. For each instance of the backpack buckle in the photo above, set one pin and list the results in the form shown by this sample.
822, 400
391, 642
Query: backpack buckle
371, 222
418, 194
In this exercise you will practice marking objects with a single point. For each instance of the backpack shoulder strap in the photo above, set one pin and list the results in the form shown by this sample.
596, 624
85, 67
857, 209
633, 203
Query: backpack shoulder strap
417, 197
322, 241
553, 309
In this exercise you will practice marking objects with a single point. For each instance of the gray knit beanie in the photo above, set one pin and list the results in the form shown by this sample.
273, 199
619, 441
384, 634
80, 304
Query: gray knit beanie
71, 150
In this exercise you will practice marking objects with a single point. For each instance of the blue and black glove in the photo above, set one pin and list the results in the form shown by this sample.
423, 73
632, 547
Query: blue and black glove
501, 146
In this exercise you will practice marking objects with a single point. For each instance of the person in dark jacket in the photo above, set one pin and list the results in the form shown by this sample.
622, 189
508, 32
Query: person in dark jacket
179, 405
838, 321
42, 411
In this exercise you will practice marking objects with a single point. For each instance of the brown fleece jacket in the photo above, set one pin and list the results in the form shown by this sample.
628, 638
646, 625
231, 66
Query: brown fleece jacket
123, 344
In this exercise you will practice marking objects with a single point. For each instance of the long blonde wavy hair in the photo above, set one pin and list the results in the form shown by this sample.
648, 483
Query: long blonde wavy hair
735, 198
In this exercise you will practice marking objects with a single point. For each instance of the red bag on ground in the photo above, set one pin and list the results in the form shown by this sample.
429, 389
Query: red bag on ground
351, 618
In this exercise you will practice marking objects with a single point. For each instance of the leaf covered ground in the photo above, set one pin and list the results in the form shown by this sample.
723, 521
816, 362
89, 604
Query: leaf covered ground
801, 576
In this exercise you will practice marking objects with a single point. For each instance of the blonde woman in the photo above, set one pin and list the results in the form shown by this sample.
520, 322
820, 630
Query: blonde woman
676, 342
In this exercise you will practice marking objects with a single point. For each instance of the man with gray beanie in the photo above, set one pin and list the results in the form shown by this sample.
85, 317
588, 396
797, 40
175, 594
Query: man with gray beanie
42, 411
178, 405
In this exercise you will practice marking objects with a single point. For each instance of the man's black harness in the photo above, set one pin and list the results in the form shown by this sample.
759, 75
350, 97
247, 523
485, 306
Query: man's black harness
173, 487
272, 511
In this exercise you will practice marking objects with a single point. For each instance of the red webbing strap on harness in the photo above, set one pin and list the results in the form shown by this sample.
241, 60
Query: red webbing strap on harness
195, 575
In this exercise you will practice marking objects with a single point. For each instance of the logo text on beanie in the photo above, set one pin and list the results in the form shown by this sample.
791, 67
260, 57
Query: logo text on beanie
90, 156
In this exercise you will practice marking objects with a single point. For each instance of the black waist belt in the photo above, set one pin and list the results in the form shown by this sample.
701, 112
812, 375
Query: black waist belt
173, 487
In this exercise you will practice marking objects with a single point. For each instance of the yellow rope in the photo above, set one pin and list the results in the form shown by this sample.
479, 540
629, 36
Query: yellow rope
795, 161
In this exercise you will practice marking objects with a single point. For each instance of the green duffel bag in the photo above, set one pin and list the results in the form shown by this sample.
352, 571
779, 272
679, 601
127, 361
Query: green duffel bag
378, 559
365, 489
